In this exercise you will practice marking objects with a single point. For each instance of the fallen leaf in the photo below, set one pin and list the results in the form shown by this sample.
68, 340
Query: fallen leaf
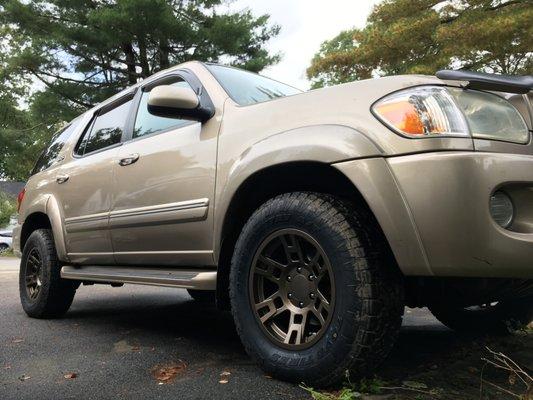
224, 377
17, 340
167, 373
24, 378
71, 375
268, 377
415, 385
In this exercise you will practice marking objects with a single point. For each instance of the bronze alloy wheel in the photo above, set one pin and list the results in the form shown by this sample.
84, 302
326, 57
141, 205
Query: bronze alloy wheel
34, 274
292, 290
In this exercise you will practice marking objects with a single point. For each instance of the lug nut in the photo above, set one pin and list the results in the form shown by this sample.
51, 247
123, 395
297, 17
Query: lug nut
289, 295
289, 279
301, 304
312, 295
299, 269
311, 277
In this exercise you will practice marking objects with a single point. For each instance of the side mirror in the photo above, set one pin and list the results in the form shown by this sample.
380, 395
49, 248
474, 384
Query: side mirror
177, 102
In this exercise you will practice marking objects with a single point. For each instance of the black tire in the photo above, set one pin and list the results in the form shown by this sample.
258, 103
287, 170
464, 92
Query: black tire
501, 319
55, 294
3, 248
202, 296
369, 299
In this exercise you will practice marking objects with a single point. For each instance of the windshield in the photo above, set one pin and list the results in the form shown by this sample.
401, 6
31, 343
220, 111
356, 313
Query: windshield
246, 88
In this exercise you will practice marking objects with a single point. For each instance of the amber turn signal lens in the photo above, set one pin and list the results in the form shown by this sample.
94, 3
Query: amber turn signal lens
403, 116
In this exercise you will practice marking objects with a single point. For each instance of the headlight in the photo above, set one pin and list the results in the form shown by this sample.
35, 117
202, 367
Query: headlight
432, 111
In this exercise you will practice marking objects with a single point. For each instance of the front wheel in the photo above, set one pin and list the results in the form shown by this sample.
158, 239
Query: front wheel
43, 293
314, 290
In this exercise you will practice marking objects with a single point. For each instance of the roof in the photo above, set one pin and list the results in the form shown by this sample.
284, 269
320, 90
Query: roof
11, 188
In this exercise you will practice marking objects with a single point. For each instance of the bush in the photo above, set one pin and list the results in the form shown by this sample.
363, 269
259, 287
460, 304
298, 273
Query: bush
8, 207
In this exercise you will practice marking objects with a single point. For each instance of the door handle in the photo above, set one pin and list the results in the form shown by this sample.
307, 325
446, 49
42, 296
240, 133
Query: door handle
131, 159
62, 179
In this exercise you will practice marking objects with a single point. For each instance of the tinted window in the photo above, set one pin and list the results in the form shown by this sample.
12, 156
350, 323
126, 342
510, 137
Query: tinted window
105, 130
248, 88
146, 123
49, 155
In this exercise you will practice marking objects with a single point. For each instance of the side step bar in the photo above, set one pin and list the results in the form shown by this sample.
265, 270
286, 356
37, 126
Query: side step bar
198, 279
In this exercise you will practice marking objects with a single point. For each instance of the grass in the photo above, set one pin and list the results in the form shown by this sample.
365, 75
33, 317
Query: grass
8, 253
448, 366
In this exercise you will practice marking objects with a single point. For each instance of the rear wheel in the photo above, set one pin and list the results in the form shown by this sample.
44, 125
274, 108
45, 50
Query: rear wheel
43, 293
502, 317
313, 289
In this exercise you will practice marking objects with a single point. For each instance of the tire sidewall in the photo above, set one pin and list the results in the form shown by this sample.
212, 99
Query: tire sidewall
329, 350
35, 241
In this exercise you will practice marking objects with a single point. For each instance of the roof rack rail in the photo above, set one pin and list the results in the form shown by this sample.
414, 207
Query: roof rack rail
494, 82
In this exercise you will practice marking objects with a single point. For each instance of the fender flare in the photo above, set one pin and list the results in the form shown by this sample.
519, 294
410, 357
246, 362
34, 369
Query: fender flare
318, 143
48, 205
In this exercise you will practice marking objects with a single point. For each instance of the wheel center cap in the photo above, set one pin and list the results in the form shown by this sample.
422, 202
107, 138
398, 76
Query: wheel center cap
300, 288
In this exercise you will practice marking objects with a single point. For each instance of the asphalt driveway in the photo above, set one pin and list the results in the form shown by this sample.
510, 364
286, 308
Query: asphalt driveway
148, 342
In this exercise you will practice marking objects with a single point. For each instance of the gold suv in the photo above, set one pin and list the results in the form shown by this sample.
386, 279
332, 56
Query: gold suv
315, 217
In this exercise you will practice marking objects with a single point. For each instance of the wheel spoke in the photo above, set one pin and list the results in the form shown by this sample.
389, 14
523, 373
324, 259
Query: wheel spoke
323, 304
296, 328
292, 249
272, 266
34, 261
272, 310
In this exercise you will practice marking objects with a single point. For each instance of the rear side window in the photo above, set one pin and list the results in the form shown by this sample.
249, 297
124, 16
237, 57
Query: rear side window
147, 124
105, 129
49, 155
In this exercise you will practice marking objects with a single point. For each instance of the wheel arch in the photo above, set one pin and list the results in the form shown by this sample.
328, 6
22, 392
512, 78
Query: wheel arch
267, 183
45, 214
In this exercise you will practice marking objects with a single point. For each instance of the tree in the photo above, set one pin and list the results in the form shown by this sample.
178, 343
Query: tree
423, 36
80, 52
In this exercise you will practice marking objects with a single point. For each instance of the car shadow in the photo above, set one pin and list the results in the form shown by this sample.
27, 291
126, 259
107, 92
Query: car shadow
421, 340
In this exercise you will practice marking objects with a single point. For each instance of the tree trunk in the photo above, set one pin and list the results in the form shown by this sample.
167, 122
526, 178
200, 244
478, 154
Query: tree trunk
130, 62
163, 54
143, 59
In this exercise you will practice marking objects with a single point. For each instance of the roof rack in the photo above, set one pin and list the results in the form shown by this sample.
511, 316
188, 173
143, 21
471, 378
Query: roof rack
494, 82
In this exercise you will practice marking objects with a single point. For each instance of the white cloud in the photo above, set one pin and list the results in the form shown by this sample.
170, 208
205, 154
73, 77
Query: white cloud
305, 24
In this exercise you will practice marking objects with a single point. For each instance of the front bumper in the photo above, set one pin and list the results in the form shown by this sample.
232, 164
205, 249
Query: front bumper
446, 196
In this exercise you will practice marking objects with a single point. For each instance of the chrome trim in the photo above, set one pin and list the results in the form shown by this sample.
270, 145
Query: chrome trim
189, 279
165, 252
182, 205
87, 218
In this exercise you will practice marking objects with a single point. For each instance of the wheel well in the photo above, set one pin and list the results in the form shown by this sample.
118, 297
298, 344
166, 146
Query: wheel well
33, 222
266, 184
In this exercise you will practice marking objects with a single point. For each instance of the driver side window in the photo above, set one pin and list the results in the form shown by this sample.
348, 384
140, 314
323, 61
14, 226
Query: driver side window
147, 124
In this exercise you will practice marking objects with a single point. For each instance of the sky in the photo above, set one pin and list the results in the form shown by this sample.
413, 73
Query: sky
305, 24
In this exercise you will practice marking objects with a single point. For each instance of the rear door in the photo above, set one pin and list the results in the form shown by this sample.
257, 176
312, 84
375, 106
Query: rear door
162, 213
85, 183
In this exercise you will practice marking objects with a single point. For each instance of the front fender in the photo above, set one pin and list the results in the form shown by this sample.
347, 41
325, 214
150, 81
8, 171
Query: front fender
321, 143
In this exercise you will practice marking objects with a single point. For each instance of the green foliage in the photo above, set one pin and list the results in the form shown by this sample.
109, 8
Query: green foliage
350, 391
423, 36
8, 207
82, 52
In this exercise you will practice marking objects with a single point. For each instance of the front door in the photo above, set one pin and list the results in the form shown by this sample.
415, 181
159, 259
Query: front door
162, 213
